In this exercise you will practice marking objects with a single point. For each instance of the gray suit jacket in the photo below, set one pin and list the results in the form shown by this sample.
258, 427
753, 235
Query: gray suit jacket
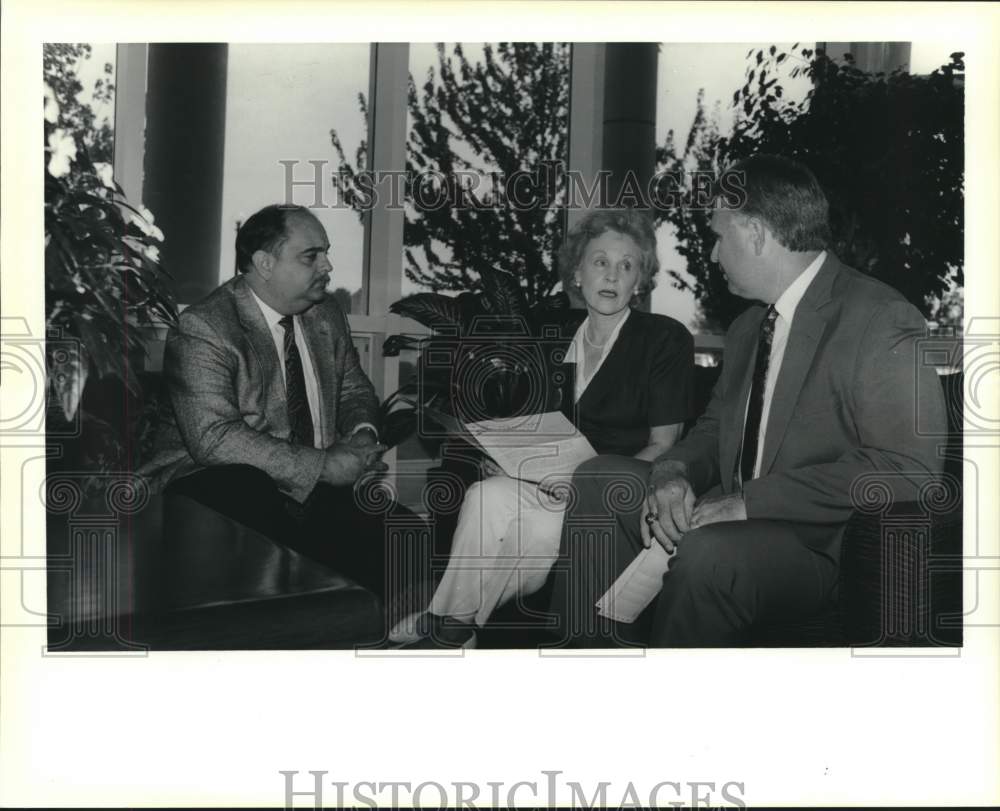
227, 392
846, 404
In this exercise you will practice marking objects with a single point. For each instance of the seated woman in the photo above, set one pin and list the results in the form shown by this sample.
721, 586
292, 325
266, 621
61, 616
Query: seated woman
632, 392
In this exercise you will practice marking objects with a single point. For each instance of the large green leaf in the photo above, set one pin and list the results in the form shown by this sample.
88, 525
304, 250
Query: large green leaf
398, 426
430, 309
395, 344
503, 293
67, 369
95, 345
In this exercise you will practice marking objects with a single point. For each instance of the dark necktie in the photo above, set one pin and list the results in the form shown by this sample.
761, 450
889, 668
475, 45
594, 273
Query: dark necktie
751, 431
299, 417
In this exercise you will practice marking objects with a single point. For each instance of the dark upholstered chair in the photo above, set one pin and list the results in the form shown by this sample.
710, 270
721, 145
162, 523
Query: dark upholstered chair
900, 564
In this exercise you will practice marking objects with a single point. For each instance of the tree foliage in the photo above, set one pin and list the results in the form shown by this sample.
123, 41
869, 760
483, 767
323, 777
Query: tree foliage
887, 149
478, 123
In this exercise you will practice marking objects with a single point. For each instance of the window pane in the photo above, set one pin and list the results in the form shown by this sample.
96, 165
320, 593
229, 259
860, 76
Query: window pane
281, 103
412, 458
82, 77
926, 57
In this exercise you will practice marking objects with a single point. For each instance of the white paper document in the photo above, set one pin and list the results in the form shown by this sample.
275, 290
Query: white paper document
637, 586
540, 448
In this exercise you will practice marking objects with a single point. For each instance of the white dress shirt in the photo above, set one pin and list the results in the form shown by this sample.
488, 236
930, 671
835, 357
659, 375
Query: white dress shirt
577, 352
785, 307
273, 317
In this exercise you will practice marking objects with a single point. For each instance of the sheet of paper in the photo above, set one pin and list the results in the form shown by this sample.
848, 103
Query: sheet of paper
636, 587
543, 448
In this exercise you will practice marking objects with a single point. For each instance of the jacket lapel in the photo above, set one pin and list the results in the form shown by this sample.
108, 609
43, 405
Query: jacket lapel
808, 325
262, 344
565, 367
321, 345
602, 384
740, 349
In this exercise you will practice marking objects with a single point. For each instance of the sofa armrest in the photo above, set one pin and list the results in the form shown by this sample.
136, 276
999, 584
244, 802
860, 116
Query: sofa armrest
901, 577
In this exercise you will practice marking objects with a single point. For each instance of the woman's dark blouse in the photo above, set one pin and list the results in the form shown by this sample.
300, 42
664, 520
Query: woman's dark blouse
646, 380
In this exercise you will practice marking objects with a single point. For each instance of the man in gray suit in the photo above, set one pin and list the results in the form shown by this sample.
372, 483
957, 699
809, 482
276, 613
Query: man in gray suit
819, 391
274, 419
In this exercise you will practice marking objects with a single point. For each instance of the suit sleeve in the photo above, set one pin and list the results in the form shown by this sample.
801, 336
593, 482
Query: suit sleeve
201, 376
699, 449
890, 385
358, 402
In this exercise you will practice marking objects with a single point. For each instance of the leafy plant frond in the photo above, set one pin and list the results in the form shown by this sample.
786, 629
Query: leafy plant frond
430, 309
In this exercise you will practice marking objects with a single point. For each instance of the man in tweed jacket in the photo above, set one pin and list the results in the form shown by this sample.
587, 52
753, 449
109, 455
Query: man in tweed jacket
232, 443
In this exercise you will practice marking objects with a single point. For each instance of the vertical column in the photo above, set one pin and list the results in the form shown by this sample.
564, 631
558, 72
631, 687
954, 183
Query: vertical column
629, 151
873, 57
383, 251
383, 258
629, 112
586, 123
881, 57
185, 141
130, 117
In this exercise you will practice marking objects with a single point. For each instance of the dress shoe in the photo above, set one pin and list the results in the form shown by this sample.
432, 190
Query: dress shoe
408, 629
436, 633
405, 609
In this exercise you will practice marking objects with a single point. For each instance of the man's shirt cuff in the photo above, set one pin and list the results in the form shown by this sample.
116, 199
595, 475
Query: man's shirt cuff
361, 426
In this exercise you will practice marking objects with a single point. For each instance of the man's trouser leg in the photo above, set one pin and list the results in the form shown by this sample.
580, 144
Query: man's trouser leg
600, 538
730, 576
331, 527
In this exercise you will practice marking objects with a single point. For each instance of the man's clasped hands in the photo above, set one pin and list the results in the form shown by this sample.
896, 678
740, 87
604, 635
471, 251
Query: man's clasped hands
671, 508
348, 460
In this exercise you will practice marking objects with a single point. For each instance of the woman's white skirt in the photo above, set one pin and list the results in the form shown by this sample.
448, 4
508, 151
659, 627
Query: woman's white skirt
506, 541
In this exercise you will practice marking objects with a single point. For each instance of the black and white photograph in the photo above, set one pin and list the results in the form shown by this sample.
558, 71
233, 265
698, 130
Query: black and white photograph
370, 369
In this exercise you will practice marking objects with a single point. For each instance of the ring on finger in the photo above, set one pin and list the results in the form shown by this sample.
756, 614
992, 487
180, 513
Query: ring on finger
652, 518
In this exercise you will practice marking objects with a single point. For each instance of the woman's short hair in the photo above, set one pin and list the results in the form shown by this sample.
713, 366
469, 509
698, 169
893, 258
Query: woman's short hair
629, 222
786, 195
264, 231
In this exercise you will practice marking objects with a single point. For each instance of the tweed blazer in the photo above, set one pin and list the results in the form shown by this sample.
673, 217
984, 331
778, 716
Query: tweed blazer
227, 392
852, 398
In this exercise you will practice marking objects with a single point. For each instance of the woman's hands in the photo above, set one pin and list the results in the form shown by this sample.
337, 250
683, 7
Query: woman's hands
488, 468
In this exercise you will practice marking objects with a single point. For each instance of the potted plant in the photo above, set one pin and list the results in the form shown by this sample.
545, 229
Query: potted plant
490, 355
105, 289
